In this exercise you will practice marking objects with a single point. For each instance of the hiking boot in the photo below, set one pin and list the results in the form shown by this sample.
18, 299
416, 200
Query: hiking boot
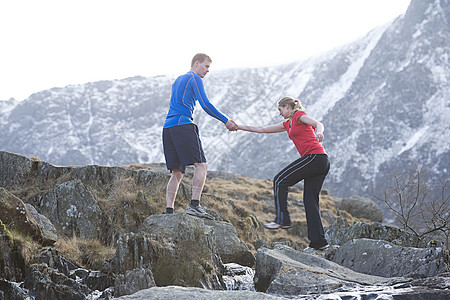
273, 225
198, 211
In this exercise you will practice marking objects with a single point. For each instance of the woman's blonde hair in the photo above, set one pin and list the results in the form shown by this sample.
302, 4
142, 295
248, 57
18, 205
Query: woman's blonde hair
294, 104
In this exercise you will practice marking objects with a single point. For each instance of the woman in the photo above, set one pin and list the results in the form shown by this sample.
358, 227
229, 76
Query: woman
312, 167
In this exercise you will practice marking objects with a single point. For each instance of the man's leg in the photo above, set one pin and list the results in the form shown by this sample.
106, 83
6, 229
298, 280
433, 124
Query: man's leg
172, 187
199, 180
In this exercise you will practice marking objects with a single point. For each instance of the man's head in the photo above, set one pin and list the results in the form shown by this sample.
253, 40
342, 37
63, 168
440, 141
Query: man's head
200, 64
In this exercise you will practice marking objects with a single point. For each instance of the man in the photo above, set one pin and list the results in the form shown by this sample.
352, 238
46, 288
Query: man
181, 141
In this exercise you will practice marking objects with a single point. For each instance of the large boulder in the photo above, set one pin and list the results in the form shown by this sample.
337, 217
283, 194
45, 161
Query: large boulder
287, 272
362, 207
181, 250
230, 248
49, 233
72, 208
340, 232
385, 259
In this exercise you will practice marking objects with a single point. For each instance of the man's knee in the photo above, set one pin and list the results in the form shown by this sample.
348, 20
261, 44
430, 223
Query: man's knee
201, 166
177, 174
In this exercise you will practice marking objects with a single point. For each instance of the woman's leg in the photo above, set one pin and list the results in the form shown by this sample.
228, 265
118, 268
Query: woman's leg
287, 177
311, 193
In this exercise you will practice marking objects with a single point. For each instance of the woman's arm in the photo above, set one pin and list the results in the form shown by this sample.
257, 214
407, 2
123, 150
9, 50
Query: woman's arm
267, 129
314, 123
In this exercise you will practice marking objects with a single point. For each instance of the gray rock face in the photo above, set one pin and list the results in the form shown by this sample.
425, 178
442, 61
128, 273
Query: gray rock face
340, 232
133, 281
230, 248
385, 259
361, 207
72, 208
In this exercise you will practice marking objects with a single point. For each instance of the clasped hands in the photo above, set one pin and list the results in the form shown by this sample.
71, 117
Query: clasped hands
231, 125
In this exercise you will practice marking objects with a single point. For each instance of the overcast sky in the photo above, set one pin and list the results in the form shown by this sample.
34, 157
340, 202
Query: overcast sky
54, 43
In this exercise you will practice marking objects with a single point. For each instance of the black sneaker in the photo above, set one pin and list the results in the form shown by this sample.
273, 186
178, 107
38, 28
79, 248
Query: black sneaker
198, 211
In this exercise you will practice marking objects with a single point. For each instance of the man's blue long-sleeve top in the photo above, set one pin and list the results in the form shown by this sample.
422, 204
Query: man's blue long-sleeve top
187, 89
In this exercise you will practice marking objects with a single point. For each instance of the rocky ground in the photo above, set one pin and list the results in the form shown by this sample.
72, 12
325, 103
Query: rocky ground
98, 232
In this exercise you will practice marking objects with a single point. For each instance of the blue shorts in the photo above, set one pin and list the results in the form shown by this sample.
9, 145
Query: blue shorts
182, 146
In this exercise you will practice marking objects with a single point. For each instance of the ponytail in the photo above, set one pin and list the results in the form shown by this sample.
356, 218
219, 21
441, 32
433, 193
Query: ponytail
294, 104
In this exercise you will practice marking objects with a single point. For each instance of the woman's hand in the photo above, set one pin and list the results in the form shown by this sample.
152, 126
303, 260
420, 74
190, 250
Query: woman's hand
319, 137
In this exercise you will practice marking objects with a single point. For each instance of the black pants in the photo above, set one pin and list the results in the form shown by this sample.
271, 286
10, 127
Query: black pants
312, 169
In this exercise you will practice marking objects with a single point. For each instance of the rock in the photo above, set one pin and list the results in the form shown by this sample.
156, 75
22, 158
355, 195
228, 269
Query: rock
18, 170
54, 260
10, 291
15, 169
72, 209
15, 214
133, 281
179, 249
341, 232
49, 233
192, 293
237, 277
361, 207
385, 259
45, 283
286, 272
230, 248
12, 261
96, 280
433, 288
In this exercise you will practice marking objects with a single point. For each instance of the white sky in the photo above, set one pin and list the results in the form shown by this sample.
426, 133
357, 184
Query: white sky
54, 43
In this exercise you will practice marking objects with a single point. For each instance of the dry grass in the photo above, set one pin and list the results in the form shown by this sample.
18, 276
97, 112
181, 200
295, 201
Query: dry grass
28, 248
125, 206
86, 254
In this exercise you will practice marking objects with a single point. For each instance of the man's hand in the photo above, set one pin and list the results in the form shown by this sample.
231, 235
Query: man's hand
231, 125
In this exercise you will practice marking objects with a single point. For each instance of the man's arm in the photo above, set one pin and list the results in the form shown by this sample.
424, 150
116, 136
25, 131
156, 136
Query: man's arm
207, 106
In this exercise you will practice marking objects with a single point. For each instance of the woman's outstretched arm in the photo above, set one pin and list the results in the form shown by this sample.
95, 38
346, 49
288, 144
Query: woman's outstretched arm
266, 129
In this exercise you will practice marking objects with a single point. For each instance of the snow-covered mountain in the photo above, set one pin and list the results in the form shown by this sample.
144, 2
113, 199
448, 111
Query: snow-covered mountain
384, 101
